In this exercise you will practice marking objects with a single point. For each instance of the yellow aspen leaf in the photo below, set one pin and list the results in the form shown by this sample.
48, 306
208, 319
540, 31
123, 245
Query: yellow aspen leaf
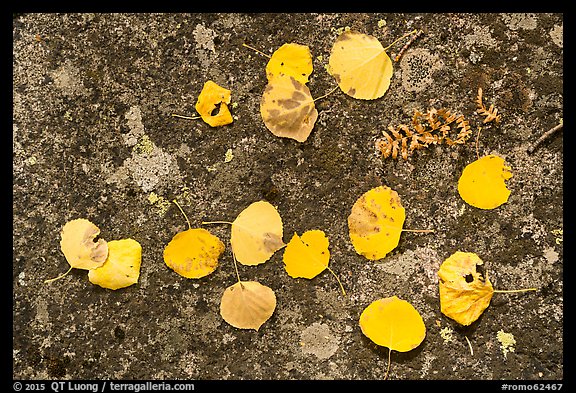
308, 255
393, 323
291, 59
193, 253
376, 222
482, 183
465, 290
360, 65
210, 97
256, 233
287, 108
122, 267
247, 304
79, 247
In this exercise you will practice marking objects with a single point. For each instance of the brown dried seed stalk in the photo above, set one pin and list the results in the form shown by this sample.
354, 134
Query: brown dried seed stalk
490, 114
432, 127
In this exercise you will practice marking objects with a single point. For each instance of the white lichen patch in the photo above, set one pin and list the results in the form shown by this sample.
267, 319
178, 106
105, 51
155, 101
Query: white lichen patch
557, 35
520, 21
317, 340
134, 123
417, 67
507, 342
67, 79
204, 37
447, 334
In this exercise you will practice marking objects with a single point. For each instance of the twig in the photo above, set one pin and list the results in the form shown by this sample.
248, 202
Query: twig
545, 136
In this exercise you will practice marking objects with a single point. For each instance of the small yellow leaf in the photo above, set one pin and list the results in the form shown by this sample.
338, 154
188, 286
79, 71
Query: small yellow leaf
256, 233
79, 247
376, 222
393, 323
247, 304
211, 96
291, 59
360, 65
287, 108
307, 256
465, 291
193, 253
482, 182
122, 267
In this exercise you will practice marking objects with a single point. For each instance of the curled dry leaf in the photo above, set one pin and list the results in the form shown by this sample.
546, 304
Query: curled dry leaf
393, 323
291, 59
465, 290
256, 233
360, 65
247, 304
209, 99
79, 247
376, 222
193, 253
287, 108
122, 267
482, 183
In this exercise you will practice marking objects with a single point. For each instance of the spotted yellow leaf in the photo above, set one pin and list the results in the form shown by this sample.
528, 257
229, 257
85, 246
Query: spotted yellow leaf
287, 108
375, 222
360, 65
193, 253
291, 59
122, 267
482, 183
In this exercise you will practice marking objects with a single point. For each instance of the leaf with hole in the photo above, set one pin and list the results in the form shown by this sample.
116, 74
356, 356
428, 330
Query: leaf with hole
465, 290
247, 304
212, 98
375, 222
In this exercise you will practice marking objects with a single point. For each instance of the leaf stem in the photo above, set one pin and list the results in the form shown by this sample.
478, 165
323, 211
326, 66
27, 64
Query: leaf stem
256, 50
182, 211
325, 95
477, 139
216, 222
59, 277
401, 38
186, 117
388, 368
469, 345
236, 266
337, 279
515, 290
418, 230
